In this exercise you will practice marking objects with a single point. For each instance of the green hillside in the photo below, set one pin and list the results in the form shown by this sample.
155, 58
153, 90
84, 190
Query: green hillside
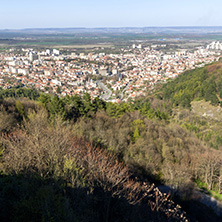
203, 83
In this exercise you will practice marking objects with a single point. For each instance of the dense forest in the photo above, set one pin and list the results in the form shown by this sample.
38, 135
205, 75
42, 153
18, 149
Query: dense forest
76, 159
203, 83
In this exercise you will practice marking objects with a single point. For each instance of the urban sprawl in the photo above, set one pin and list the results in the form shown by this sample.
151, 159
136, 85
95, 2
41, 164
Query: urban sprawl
112, 77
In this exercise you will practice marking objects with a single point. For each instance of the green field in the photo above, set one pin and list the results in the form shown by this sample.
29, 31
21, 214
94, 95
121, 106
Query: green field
91, 39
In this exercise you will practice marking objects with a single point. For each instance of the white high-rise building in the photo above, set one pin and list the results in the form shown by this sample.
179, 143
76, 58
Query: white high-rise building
215, 45
48, 52
55, 52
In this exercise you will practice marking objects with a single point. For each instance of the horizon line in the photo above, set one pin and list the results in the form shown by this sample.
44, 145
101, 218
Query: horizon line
115, 27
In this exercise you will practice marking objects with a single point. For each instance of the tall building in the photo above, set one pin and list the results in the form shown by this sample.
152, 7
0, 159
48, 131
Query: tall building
33, 56
215, 45
55, 52
48, 52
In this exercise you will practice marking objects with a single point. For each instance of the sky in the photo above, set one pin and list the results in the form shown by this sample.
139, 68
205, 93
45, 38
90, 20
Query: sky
20, 14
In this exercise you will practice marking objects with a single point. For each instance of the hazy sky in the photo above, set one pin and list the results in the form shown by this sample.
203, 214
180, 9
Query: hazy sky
16, 14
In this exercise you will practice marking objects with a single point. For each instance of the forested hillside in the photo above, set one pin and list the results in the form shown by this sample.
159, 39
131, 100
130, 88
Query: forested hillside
77, 159
50, 171
203, 83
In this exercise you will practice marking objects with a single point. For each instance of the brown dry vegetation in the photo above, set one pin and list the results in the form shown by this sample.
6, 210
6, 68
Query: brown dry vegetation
106, 154
49, 149
214, 67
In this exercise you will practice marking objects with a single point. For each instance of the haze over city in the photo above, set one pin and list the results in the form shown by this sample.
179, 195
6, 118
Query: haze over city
142, 13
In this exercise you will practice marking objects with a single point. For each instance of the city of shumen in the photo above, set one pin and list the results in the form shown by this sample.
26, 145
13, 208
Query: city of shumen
117, 75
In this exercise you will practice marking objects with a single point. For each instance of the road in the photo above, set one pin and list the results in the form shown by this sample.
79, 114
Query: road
210, 202
204, 198
121, 95
108, 93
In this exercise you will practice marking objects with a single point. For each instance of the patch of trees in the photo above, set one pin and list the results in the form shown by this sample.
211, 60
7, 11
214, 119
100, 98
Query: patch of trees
17, 92
151, 148
73, 107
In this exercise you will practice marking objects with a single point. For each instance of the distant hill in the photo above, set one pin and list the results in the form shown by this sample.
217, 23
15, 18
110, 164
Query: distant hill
133, 30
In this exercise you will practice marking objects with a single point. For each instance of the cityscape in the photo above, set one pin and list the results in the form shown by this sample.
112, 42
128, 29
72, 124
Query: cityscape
113, 77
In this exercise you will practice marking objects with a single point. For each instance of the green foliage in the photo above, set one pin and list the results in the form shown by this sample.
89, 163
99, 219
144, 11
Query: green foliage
136, 135
161, 115
216, 195
203, 83
20, 108
20, 92
99, 104
200, 184
192, 127
88, 106
138, 123
146, 109
73, 174
117, 110
56, 107
44, 99
203, 186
